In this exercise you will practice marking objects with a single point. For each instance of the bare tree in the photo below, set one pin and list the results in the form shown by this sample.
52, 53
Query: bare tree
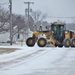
18, 22
4, 18
44, 16
38, 16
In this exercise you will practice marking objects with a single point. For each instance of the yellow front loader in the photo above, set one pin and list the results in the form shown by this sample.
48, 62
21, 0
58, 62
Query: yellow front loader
58, 36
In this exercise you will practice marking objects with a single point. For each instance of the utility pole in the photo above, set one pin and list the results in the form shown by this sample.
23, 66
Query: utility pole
28, 10
11, 35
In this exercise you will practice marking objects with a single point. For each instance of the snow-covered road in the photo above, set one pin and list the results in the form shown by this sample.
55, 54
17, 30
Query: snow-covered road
38, 61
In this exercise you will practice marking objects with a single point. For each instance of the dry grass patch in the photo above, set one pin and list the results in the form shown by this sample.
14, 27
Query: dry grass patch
7, 50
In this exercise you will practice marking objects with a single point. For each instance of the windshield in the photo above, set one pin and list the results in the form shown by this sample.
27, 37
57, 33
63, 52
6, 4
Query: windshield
58, 30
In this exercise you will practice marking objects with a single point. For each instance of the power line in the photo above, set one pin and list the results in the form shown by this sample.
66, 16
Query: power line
59, 17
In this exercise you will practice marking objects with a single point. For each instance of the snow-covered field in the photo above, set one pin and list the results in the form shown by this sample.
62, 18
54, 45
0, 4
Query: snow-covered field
38, 61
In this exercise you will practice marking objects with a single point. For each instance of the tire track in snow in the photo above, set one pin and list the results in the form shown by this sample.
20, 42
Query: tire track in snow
20, 59
30, 57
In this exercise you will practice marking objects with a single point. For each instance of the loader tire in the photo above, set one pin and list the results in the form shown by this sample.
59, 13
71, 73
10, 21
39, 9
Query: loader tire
56, 45
73, 42
60, 45
66, 42
30, 42
42, 42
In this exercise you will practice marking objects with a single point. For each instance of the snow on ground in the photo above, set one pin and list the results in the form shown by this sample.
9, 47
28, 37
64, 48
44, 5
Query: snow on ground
23, 52
38, 61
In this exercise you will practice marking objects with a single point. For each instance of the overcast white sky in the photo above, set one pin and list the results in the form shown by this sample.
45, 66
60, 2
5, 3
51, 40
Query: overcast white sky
64, 8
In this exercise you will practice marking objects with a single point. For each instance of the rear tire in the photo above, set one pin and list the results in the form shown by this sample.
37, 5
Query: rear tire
30, 42
59, 45
73, 42
42, 42
66, 42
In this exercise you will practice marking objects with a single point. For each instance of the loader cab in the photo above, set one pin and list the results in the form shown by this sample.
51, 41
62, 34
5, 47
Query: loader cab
59, 31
